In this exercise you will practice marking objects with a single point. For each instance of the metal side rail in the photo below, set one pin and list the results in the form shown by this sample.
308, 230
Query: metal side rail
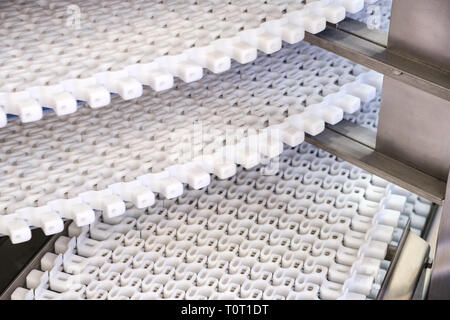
379, 58
36, 252
407, 265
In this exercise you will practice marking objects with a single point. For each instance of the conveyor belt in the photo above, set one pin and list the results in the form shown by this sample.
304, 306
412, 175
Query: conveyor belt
55, 53
319, 228
96, 159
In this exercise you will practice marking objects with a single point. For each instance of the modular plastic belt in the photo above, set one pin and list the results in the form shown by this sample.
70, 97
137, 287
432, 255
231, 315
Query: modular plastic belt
318, 228
376, 14
97, 159
57, 53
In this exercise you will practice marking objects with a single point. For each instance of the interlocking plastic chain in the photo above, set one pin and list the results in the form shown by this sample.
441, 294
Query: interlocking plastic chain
97, 159
58, 53
317, 229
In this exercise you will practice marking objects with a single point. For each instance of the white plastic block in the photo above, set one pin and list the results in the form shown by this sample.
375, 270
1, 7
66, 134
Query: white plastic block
134, 192
42, 217
182, 67
151, 74
261, 39
190, 174
73, 209
209, 57
105, 201
15, 227
312, 23
352, 6
162, 183
54, 97
22, 294
237, 49
22, 105
88, 90
121, 83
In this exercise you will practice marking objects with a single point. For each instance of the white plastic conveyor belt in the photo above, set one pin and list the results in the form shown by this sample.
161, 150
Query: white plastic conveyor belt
97, 159
55, 53
318, 228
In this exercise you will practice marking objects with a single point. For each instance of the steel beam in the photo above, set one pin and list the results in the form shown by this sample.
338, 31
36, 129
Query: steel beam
379, 164
428, 78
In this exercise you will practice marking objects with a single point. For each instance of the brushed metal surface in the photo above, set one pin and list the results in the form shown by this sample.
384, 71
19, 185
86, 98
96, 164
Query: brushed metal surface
414, 127
381, 165
420, 29
376, 57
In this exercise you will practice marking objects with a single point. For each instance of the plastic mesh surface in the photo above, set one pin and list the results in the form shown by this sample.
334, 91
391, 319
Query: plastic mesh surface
316, 229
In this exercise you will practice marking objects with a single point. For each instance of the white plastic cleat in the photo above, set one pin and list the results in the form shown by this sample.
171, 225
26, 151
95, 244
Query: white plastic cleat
394, 201
352, 6
216, 164
55, 97
162, 183
307, 122
49, 260
360, 284
21, 104
289, 32
209, 57
105, 201
36, 279
134, 192
289, 134
15, 227
387, 217
245, 155
328, 113
310, 22
151, 74
121, 83
374, 249
190, 174
65, 244
363, 91
237, 49
269, 143
182, 67
332, 12
42, 217
372, 78
74, 209
3, 118
22, 294
346, 102
367, 266
88, 90
261, 39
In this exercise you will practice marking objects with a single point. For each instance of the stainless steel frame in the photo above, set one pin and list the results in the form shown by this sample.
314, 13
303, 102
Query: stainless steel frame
412, 146
406, 268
